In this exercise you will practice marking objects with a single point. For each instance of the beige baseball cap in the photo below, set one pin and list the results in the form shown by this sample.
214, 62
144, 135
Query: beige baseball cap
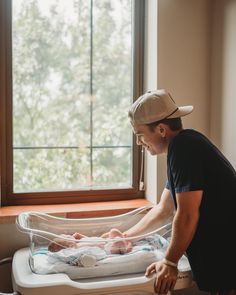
154, 106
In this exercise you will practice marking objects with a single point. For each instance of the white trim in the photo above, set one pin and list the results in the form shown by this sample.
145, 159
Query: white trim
150, 83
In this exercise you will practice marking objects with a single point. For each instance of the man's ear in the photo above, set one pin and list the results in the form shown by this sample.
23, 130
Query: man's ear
161, 128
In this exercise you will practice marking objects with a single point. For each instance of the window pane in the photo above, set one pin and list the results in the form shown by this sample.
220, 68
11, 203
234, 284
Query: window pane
51, 76
50, 169
112, 72
72, 85
112, 168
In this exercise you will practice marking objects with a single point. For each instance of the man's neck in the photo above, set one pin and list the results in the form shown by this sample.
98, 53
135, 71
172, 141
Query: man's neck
172, 134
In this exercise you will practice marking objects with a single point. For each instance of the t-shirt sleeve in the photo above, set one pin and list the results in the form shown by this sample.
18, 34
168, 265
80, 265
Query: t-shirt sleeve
167, 185
186, 165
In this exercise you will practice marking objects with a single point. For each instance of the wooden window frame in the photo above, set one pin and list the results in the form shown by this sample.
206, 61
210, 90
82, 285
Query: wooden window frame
7, 196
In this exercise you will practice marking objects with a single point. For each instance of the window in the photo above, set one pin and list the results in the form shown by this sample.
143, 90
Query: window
69, 71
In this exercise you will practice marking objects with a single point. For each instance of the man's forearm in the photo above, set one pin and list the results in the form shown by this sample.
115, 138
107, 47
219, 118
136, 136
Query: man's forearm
154, 219
183, 229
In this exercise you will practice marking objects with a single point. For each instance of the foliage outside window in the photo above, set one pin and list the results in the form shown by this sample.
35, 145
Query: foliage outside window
70, 85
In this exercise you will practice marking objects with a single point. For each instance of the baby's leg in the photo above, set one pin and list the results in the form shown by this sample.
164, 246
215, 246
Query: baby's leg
59, 243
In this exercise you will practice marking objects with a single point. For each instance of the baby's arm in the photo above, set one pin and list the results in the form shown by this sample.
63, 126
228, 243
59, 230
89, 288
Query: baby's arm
59, 243
118, 247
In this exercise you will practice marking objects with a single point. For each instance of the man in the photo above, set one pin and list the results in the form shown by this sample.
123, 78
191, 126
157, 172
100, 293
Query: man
201, 187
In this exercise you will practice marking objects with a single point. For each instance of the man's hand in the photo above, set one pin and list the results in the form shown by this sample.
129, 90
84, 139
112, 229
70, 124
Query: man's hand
166, 276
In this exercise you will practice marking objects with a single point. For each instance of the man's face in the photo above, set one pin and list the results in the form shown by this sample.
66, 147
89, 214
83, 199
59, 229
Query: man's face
151, 140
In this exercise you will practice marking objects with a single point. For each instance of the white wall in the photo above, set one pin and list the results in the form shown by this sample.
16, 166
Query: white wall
150, 82
183, 62
223, 83
178, 59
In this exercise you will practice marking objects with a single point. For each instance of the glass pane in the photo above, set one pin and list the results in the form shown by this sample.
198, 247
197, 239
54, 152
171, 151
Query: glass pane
54, 169
112, 75
72, 86
112, 167
50, 83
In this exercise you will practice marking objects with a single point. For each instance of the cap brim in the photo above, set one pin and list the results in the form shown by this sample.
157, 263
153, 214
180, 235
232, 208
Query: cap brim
181, 112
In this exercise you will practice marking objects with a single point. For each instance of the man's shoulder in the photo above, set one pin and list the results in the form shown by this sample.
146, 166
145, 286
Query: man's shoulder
187, 136
188, 142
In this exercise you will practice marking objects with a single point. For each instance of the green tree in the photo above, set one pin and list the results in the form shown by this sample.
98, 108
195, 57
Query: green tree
52, 101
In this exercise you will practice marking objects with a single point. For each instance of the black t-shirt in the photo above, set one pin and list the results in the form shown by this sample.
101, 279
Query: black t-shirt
194, 163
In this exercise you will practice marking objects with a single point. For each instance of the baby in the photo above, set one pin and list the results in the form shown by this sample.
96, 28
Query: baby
114, 247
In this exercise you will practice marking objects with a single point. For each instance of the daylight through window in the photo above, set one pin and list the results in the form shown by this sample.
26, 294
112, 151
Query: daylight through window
72, 82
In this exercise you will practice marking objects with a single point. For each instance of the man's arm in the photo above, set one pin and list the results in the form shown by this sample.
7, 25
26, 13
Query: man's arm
184, 223
155, 218
183, 229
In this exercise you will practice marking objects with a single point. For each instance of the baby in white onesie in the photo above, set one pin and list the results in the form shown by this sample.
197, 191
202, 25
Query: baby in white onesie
112, 247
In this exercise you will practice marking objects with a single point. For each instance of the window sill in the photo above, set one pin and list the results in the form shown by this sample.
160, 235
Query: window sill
83, 210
